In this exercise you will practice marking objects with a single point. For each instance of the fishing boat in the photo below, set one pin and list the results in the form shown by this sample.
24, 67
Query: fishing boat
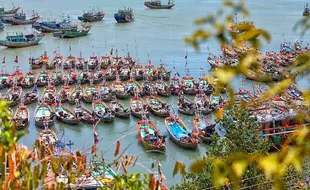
10, 11
188, 85
204, 86
150, 137
124, 72
133, 87
138, 107
14, 95
110, 73
70, 62
23, 21
157, 106
53, 26
105, 62
306, 10
56, 61
83, 77
38, 62
22, 117
56, 77
124, 16
81, 62
64, 93
90, 93
2, 26
42, 79
96, 76
128, 60
65, 115
91, 16
47, 137
119, 109
203, 104
216, 101
105, 92
43, 115
93, 62
80, 30
294, 92
137, 72
87, 116
185, 106
29, 80
102, 111
70, 76
149, 88
31, 97
156, 4
180, 134
162, 72
102, 172
175, 85
162, 88
120, 90
204, 129
150, 71
76, 93
19, 40
4, 81
16, 77
49, 95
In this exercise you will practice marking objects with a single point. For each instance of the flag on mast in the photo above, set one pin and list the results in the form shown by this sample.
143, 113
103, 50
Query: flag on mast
3, 60
96, 140
16, 59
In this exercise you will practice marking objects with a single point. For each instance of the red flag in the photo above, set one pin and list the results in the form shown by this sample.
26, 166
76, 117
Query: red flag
16, 59
185, 57
70, 48
96, 141
3, 61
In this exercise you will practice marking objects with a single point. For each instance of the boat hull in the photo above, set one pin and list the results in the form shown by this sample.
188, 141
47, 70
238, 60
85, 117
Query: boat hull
151, 6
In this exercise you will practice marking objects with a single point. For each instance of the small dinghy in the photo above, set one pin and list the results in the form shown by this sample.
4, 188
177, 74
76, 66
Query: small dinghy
49, 95
90, 93
43, 115
102, 111
70, 62
31, 97
105, 92
138, 107
119, 109
22, 117
65, 115
29, 80
157, 106
14, 95
76, 93
120, 90
42, 78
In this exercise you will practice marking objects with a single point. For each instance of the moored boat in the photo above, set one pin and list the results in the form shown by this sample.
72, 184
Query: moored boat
111, 72
180, 134
14, 95
80, 30
70, 76
86, 116
89, 93
42, 78
65, 115
162, 88
70, 62
56, 61
64, 93
156, 4
102, 111
49, 95
38, 62
150, 71
16, 77
105, 62
162, 72
205, 86
43, 115
203, 104
10, 11
306, 10
157, 106
133, 87
22, 117
31, 97
76, 93
120, 90
204, 129
29, 80
175, 85
93, 62
96, 76
91, 16
47, 137
188, 85
4, 81
124, 72
83, 77
149, 88
19, 40
124, 16
105, 92
185, 106
150, 137
137, 72
56, 78
119, 109
138, 107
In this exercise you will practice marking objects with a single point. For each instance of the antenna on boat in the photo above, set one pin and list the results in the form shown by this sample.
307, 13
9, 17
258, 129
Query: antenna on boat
136, 47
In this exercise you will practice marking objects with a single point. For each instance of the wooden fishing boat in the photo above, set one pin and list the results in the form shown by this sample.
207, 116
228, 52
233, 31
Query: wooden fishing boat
162, 88
110, 73
117, 60
203, 105
150, 137
294, 92
16, 78
180, 134
4, 81
38, 62
76, 93
91, 16
216, 102
149, 88
42, 79
128, 60
163, 73
204, 129
43, 115
47, 137
96, 76
10, 11
133, 87
56, 61
70, 62
30, 97
124, 72
22, 117
70, 76
14, 95
185, 106
102, 172
87, 116
83, 77
105, 62
102, 111
18, 21
188, 85
157, 106
65, 115
150, 71
205, 86
64, 93
119, 109
105, 92
93, 62
81, 63
49, 95
138, 107
19, 40
306, 11
53, 26
56, 78
137, 72
156, 4
124, 16
90, 93
175, 85
29, 80
73, 32
119, 88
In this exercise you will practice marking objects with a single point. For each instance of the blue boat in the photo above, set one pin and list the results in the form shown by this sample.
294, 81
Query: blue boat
2, 26
124, 16
18, 40
53, 26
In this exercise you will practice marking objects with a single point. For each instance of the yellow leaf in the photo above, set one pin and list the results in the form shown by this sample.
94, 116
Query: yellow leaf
225, 75
197, 166
269, 164
277, 88
239, 167
219, 172
178, 167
